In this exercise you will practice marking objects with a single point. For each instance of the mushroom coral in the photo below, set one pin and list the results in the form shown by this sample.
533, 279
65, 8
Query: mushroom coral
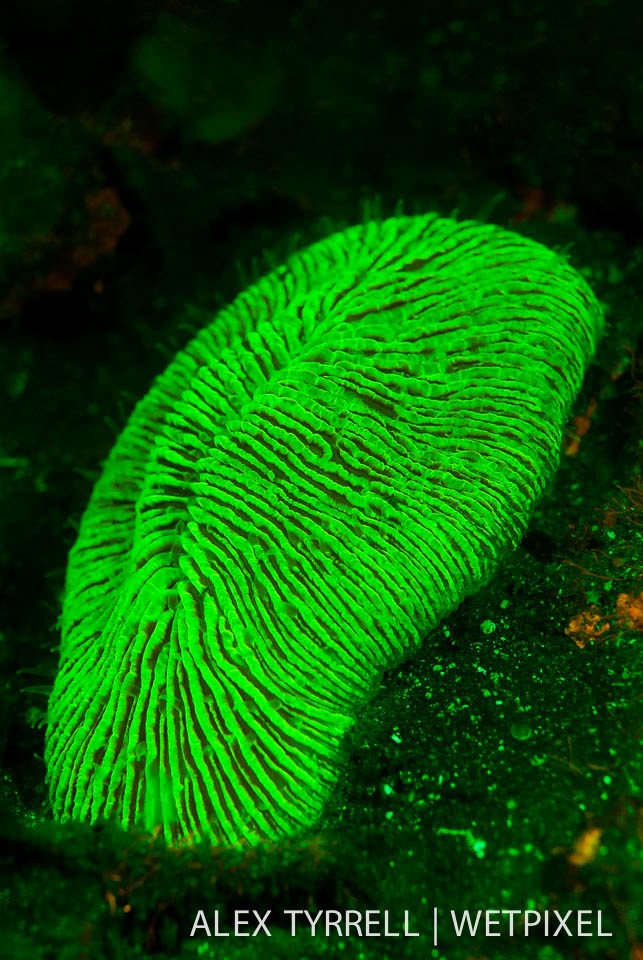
322, 474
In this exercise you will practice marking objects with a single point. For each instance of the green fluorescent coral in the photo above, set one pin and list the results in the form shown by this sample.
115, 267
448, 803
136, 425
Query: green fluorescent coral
323, 473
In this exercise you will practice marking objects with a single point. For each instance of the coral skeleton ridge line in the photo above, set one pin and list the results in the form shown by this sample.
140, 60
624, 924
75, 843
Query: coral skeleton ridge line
324, 472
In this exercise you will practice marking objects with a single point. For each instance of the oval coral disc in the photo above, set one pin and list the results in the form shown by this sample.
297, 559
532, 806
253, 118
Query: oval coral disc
323, 473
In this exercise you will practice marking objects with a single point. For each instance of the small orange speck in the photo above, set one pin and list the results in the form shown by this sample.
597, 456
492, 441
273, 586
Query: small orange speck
586, 847
586, 626
582, 423
629, 610
609, 517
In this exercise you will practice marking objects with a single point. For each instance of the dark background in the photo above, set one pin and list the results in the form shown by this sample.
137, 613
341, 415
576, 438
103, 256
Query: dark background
154, 159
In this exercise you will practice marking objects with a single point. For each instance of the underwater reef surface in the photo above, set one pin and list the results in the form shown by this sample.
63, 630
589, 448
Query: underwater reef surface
501, 766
